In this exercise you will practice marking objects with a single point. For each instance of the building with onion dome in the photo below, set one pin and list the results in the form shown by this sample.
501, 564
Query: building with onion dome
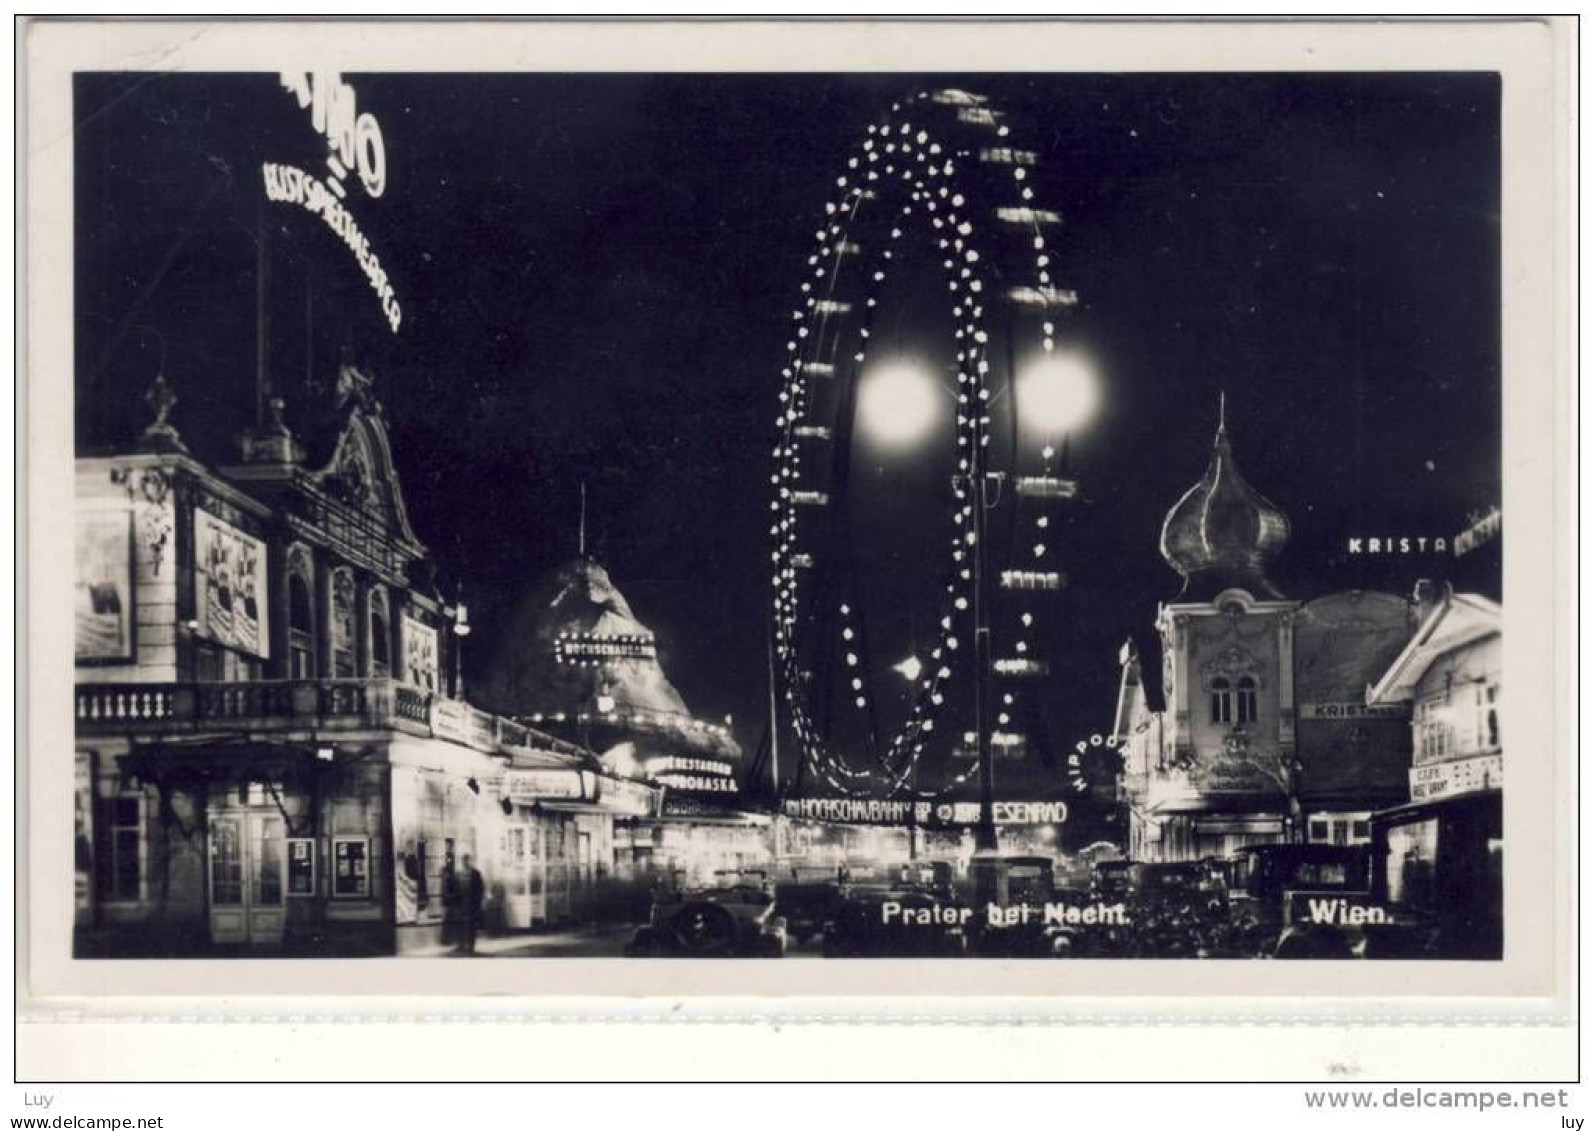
1242, 716
575, 658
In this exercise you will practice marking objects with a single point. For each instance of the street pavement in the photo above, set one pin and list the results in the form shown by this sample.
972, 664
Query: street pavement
608, 942
592, 943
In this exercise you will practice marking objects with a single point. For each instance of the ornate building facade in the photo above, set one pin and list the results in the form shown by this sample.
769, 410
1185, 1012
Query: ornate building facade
273, 746
1242, 717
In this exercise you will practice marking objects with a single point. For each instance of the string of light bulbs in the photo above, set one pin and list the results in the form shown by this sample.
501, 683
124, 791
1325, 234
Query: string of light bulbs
907, 168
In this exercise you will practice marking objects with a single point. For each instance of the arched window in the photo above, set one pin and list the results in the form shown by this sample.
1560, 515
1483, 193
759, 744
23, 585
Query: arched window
301, 629
1222, 701
1246, 700
381, 640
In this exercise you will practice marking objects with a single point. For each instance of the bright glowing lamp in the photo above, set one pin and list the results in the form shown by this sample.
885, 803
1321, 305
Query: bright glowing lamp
910, 668
622, 759
898, 403
1057, 393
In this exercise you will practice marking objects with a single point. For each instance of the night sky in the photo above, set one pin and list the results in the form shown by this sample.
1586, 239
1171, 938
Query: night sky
597, 274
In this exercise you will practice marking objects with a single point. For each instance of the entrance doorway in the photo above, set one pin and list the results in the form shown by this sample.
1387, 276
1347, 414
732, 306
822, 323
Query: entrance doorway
520, 856
247, 866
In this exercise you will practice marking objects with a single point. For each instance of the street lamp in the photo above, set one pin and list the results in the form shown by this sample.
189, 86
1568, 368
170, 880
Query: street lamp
1057, 393
910, 669
1052, 396
898, 402
461, 618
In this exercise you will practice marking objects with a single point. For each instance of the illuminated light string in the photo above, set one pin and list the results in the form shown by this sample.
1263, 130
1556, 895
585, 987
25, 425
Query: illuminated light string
908, 159
828, 306
829, 765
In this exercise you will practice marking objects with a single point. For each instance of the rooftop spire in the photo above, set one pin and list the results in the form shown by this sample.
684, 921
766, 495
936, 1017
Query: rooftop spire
1223, 532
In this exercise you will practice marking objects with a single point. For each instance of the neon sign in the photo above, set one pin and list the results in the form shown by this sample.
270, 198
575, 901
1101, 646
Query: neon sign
354, 145
355, 139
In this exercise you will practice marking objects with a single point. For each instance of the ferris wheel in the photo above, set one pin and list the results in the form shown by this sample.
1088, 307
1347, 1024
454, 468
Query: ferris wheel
939, 179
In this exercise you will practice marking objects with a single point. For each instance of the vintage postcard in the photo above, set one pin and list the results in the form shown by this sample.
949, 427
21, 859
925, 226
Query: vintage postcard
1035, 510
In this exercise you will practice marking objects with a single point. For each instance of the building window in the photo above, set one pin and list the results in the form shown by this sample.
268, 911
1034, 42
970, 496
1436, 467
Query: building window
343, 625
1339, 828
351, 867
1245, 700
123, 874
301, 629
1222, 701
1433, 730
381, 640
1489, 717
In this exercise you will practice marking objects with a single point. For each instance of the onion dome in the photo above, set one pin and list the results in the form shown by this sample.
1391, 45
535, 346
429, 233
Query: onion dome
1223, 533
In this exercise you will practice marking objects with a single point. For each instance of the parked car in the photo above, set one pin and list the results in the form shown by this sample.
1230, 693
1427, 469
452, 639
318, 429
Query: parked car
1273, 889
807, 905
1031, 886
736, 919
933, 875
1111, 880
924, 924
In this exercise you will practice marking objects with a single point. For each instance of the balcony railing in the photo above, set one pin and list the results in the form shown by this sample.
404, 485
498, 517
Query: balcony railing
327, 705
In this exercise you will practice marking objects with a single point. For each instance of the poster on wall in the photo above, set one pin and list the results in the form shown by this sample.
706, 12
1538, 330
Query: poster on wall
103, 595
420, 654
230, 585
301, 866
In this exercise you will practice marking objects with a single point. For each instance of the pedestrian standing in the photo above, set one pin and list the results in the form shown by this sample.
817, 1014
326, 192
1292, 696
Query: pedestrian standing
475, 897
452, 902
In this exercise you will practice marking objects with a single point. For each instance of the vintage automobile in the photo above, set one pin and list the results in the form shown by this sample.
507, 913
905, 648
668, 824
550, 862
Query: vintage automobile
1276, 890
1111, 879
732, 919
896, 921
807, 905
933, 875
1437, 879
1024, 933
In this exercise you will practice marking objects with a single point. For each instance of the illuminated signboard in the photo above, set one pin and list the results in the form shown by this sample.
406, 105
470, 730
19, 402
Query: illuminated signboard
930, 814
1447, 779
1485, 528
683, 773
589, 649
631, 798
1353, 710
528, 786
676, 764
354, 145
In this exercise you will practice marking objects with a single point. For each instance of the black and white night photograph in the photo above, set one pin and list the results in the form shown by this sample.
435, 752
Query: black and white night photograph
787, 516
824, 549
